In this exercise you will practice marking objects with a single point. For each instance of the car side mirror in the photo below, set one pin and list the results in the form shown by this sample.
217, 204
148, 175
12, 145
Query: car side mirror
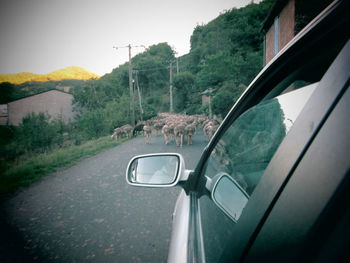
155, 170
228, 195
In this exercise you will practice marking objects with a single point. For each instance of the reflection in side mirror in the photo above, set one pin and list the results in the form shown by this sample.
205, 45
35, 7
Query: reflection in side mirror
157, 170
229, 196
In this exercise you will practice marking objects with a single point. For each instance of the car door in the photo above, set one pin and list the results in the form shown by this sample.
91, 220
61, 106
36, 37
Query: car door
258, 144
304, 223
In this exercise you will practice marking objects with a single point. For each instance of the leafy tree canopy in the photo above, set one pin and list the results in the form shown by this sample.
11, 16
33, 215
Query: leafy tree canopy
6, 92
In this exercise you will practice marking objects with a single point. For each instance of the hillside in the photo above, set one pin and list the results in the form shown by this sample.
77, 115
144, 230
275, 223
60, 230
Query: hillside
225, 56
61, 74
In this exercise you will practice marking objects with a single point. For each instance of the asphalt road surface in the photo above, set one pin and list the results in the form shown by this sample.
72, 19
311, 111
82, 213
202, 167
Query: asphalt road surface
88, 213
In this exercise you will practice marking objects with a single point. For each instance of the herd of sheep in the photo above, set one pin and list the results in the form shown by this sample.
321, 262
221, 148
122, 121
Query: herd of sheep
173, 127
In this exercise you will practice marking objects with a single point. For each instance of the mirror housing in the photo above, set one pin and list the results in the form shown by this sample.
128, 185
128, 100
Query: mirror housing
156, 170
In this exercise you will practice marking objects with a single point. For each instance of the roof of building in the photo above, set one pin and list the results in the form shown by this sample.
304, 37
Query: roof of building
310, 7
41, 93
274, 11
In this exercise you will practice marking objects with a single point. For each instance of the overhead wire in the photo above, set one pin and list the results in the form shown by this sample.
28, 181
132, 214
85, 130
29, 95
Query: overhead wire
151, 69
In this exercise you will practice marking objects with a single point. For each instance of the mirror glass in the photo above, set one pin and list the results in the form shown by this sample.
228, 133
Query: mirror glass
154, 170
229, 196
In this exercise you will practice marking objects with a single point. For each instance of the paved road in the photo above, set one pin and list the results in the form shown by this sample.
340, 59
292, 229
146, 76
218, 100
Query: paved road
87, 213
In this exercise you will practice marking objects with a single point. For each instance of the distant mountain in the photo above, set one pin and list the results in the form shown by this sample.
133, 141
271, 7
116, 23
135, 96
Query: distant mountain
61, 74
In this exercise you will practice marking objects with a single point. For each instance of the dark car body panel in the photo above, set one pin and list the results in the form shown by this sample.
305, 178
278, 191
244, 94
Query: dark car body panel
309, 191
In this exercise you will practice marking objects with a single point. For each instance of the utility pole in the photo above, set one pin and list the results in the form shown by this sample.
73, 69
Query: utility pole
171, 79
171, 86
131, 88
177, 65
177, 62
132, 100
138, 91
208, 93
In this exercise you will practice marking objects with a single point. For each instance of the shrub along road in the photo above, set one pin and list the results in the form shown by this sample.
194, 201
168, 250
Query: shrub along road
88, 213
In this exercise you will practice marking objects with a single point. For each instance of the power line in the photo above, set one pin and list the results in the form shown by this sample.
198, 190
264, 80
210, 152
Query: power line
153, 69
159, 68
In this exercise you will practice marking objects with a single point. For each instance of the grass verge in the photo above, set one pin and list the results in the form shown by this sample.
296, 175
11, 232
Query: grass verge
35, 167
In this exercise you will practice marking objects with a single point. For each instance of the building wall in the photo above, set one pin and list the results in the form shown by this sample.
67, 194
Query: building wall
286, 23
3, 114
55, 103
269, 42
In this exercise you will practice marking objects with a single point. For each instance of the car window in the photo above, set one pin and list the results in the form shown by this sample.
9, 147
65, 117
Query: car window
243, 152
247, 146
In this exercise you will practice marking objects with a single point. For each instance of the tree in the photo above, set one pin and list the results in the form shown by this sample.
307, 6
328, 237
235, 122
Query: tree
92, 124
6, 92
184, 88
216, 70
37, 133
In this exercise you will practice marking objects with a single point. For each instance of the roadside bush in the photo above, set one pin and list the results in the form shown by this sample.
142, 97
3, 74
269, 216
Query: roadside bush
222, 102
92, 124
148, 112
37, 134
116, 113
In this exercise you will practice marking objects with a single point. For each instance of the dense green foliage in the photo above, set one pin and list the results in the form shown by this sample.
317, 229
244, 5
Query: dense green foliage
185, 92
36, 134
100, 121
226, 54
8, 92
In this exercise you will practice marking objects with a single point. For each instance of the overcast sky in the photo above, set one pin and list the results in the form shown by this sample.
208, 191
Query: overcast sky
41, 36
